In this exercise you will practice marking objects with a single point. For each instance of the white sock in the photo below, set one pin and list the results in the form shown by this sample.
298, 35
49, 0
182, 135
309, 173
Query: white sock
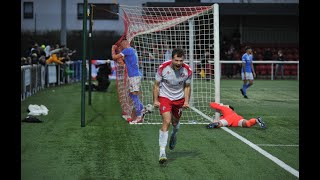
163, 138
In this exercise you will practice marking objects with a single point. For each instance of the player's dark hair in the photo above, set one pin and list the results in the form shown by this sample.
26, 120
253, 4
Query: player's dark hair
231, 108
179, 52
247, 47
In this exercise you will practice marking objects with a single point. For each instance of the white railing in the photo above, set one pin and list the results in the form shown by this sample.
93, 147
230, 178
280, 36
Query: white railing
265, 62
37, 77
147, 63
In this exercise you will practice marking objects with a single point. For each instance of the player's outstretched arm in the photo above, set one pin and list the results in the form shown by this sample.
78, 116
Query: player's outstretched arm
216, 106
219, 107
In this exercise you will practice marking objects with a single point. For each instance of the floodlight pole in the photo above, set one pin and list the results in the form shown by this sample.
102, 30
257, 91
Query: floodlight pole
90, 14
83, 79
63, 34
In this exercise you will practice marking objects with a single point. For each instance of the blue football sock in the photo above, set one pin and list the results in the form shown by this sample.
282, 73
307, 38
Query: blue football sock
248, 85
244, 88
137, 103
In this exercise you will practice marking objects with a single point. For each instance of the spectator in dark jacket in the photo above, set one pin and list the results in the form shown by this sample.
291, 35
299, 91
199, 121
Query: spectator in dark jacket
103, 77
280, 65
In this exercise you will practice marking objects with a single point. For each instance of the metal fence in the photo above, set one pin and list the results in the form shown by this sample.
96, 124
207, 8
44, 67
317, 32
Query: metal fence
266, 68
37, 77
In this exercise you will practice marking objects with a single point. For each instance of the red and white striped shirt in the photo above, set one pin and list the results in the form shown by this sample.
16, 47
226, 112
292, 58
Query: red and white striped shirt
172, 81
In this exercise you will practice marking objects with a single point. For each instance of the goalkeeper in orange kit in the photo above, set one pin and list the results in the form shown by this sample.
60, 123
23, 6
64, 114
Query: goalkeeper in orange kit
230, 118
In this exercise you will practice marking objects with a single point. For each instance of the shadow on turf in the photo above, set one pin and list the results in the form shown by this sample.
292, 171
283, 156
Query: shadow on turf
97, 114
173, 155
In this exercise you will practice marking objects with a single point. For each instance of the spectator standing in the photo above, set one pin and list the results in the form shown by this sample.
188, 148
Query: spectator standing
279, 66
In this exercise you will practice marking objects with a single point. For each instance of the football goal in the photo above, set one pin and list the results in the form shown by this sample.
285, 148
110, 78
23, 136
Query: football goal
154, 32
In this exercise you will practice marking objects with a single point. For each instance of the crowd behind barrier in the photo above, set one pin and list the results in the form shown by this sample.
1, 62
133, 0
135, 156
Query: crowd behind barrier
36, 77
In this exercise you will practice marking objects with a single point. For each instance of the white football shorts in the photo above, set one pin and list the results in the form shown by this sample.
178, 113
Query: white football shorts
134, 83
249, 76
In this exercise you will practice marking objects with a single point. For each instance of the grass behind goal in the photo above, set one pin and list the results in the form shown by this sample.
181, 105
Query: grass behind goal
110, 148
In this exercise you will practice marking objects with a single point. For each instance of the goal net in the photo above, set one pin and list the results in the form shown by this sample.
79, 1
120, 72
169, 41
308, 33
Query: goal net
154, 32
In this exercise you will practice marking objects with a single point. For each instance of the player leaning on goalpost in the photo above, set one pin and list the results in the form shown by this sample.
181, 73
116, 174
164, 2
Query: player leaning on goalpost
171, 93
131, 60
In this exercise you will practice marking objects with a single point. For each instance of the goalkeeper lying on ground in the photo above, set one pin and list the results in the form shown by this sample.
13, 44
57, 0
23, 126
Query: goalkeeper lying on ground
230, 118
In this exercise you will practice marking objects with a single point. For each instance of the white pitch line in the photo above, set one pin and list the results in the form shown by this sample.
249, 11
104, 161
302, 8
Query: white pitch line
147, 123
272, 145
202, 114
263, 152
257, 148
277, 100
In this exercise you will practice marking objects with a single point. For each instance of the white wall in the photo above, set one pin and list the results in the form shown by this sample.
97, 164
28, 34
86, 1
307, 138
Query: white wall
47, 13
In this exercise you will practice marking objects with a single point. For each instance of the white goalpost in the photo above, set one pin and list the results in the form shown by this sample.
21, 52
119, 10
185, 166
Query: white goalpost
154, 32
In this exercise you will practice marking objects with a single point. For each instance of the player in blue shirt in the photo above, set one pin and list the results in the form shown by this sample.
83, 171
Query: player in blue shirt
131, 60
247, 71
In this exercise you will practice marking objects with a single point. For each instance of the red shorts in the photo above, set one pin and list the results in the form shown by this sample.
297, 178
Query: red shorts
175, 106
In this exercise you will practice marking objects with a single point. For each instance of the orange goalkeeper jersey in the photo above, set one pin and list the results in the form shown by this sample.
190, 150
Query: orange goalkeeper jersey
228, 114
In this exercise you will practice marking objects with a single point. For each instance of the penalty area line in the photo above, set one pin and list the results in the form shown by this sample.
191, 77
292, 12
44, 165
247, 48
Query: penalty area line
255, 147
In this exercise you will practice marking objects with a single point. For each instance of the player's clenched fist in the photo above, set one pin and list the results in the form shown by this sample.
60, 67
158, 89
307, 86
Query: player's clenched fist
156, 104
114, 47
